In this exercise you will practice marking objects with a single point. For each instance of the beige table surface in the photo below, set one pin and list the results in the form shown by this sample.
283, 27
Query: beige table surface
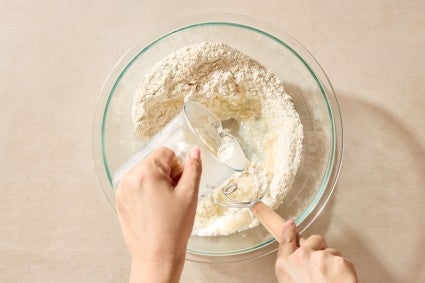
57, 226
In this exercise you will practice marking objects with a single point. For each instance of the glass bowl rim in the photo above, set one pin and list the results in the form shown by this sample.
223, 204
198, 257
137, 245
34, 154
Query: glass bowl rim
265, 29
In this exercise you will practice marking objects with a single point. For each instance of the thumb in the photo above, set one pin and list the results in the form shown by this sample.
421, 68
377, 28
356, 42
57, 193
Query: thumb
288, 240
189, 180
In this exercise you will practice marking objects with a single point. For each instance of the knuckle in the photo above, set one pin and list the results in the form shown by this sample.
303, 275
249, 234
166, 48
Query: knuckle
125, 182
331, 251
280, 265
316, 242
301, 253
340, 262
147, 170
161, 159
334, 251
288, 239
317, 237
158, 155
122, 194
320, 239
129, 180
165, 152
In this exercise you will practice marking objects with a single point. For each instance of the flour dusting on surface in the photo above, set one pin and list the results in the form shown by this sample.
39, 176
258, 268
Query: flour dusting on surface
242, 93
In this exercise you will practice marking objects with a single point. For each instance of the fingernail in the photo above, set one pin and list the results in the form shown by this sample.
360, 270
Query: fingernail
289, 223
195, 153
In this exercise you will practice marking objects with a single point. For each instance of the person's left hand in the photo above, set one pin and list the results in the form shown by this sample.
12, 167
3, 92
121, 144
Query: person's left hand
157, 211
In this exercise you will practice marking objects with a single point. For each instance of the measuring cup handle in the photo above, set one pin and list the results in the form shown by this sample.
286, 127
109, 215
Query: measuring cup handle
270, 220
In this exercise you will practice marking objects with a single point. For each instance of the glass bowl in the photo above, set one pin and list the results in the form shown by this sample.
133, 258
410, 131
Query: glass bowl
305, 81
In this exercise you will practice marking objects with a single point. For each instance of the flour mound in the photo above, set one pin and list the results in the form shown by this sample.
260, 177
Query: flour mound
238, 90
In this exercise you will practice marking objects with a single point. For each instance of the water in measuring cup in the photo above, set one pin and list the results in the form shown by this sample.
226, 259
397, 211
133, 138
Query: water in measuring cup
223, 146
230, 152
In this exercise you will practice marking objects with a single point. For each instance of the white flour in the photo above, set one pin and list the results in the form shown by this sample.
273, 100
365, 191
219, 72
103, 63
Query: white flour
246, 94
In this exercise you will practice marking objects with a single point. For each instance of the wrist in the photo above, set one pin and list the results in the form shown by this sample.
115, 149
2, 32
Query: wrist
164, 268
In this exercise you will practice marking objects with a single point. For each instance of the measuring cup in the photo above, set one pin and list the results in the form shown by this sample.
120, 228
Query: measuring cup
196, 125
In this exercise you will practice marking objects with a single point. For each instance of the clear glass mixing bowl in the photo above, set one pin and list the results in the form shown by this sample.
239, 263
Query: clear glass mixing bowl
304, 80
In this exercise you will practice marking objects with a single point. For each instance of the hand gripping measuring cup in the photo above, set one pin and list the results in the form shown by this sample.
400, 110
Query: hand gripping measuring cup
195, 125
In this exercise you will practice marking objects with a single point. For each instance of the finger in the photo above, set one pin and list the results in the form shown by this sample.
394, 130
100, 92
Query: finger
191, 176
162, 158
316, 242
288, 243
333, 252
176, 168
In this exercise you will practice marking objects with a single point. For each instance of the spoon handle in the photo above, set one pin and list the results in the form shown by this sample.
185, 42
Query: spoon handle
270, 219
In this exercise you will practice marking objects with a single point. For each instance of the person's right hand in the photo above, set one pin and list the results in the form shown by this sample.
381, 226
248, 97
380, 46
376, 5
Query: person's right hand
312, 261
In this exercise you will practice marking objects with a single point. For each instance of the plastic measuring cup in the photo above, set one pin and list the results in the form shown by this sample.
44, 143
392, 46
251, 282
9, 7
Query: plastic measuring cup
196, 125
